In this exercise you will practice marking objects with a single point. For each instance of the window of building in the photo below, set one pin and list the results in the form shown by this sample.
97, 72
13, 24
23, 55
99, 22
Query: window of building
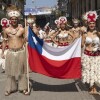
85, 5
80, 7
98, 4
89, 4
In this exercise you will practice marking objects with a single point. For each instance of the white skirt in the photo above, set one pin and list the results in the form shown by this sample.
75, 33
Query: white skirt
90, 69
2, 61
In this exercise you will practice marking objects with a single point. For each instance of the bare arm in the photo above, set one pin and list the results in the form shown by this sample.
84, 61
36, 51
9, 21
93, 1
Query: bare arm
51, 33
4, 43
56, 33
83, 40
71, 34
98, 33
23, 31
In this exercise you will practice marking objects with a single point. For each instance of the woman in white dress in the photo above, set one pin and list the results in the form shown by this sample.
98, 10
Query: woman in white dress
91, 54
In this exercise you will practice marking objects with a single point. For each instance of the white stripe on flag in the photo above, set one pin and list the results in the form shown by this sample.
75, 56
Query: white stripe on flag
68, 52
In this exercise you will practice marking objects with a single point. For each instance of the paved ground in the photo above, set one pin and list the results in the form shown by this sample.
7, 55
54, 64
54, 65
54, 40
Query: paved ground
45, 88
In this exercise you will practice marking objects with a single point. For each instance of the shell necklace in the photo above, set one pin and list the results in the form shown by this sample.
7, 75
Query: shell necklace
14, 31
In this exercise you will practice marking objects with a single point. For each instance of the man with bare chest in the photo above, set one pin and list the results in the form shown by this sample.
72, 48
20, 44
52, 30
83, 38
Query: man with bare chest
16, 57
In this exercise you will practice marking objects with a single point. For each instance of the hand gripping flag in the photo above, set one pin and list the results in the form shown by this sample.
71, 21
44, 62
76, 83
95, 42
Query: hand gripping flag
63, 63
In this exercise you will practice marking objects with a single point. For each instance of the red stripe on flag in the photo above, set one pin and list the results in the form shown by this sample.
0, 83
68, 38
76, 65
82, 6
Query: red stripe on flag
66, 69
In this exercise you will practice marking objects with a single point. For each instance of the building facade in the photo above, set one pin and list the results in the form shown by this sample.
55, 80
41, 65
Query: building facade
62, 7
5, 3
76, 8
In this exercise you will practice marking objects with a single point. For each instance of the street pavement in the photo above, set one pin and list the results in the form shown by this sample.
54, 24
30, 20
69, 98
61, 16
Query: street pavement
46, 88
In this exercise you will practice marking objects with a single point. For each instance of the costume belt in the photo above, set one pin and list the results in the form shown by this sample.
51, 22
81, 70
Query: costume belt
92, 53
16, 50
48, 41
63, 44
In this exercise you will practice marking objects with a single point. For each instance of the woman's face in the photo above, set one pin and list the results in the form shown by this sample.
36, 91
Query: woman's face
91, 25
62, 26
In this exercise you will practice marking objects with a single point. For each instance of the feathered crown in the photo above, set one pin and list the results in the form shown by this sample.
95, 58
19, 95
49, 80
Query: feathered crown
31, 18
57, 22
62, 20
84, 16
12, 11
92, 16
75, 20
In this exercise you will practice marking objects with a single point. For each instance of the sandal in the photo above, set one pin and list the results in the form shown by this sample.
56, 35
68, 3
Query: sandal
7, 93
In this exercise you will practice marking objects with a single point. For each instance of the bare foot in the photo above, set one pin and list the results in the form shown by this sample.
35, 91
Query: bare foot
91, 91
25, 92
95, 91
7, 93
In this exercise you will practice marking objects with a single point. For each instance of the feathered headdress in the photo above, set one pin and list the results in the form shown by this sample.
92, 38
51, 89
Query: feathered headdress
62, 20
57, 22
92, 16
13, 11
31, 18
84, 16
75, 20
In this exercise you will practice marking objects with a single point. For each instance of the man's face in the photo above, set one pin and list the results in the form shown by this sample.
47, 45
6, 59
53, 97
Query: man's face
30, 24
14, 21
58, 26
76, 24
85, 22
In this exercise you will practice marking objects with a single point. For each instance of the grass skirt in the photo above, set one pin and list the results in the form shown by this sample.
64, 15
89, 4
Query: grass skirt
90, 69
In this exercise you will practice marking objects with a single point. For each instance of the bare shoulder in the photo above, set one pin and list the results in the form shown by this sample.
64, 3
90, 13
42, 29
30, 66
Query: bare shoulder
69, 31
22, 30
6, 30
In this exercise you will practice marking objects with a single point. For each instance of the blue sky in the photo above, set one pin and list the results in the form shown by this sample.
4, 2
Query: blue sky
40, 3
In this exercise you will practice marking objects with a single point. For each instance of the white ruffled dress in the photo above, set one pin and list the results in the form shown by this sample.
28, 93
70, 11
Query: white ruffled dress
90, 69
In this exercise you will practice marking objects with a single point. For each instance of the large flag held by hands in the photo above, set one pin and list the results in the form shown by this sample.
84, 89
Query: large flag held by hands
63, 63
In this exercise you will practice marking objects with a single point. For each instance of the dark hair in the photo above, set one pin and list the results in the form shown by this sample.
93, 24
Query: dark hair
67, 27
0, 28
97, 29
88, 29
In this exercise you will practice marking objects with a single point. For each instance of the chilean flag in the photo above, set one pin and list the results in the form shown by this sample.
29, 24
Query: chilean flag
63, 63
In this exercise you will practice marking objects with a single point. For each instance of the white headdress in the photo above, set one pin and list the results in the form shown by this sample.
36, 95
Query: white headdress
84, 16
91, 16
13, 11
62, 20
75, 20
31, 18
56, 21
